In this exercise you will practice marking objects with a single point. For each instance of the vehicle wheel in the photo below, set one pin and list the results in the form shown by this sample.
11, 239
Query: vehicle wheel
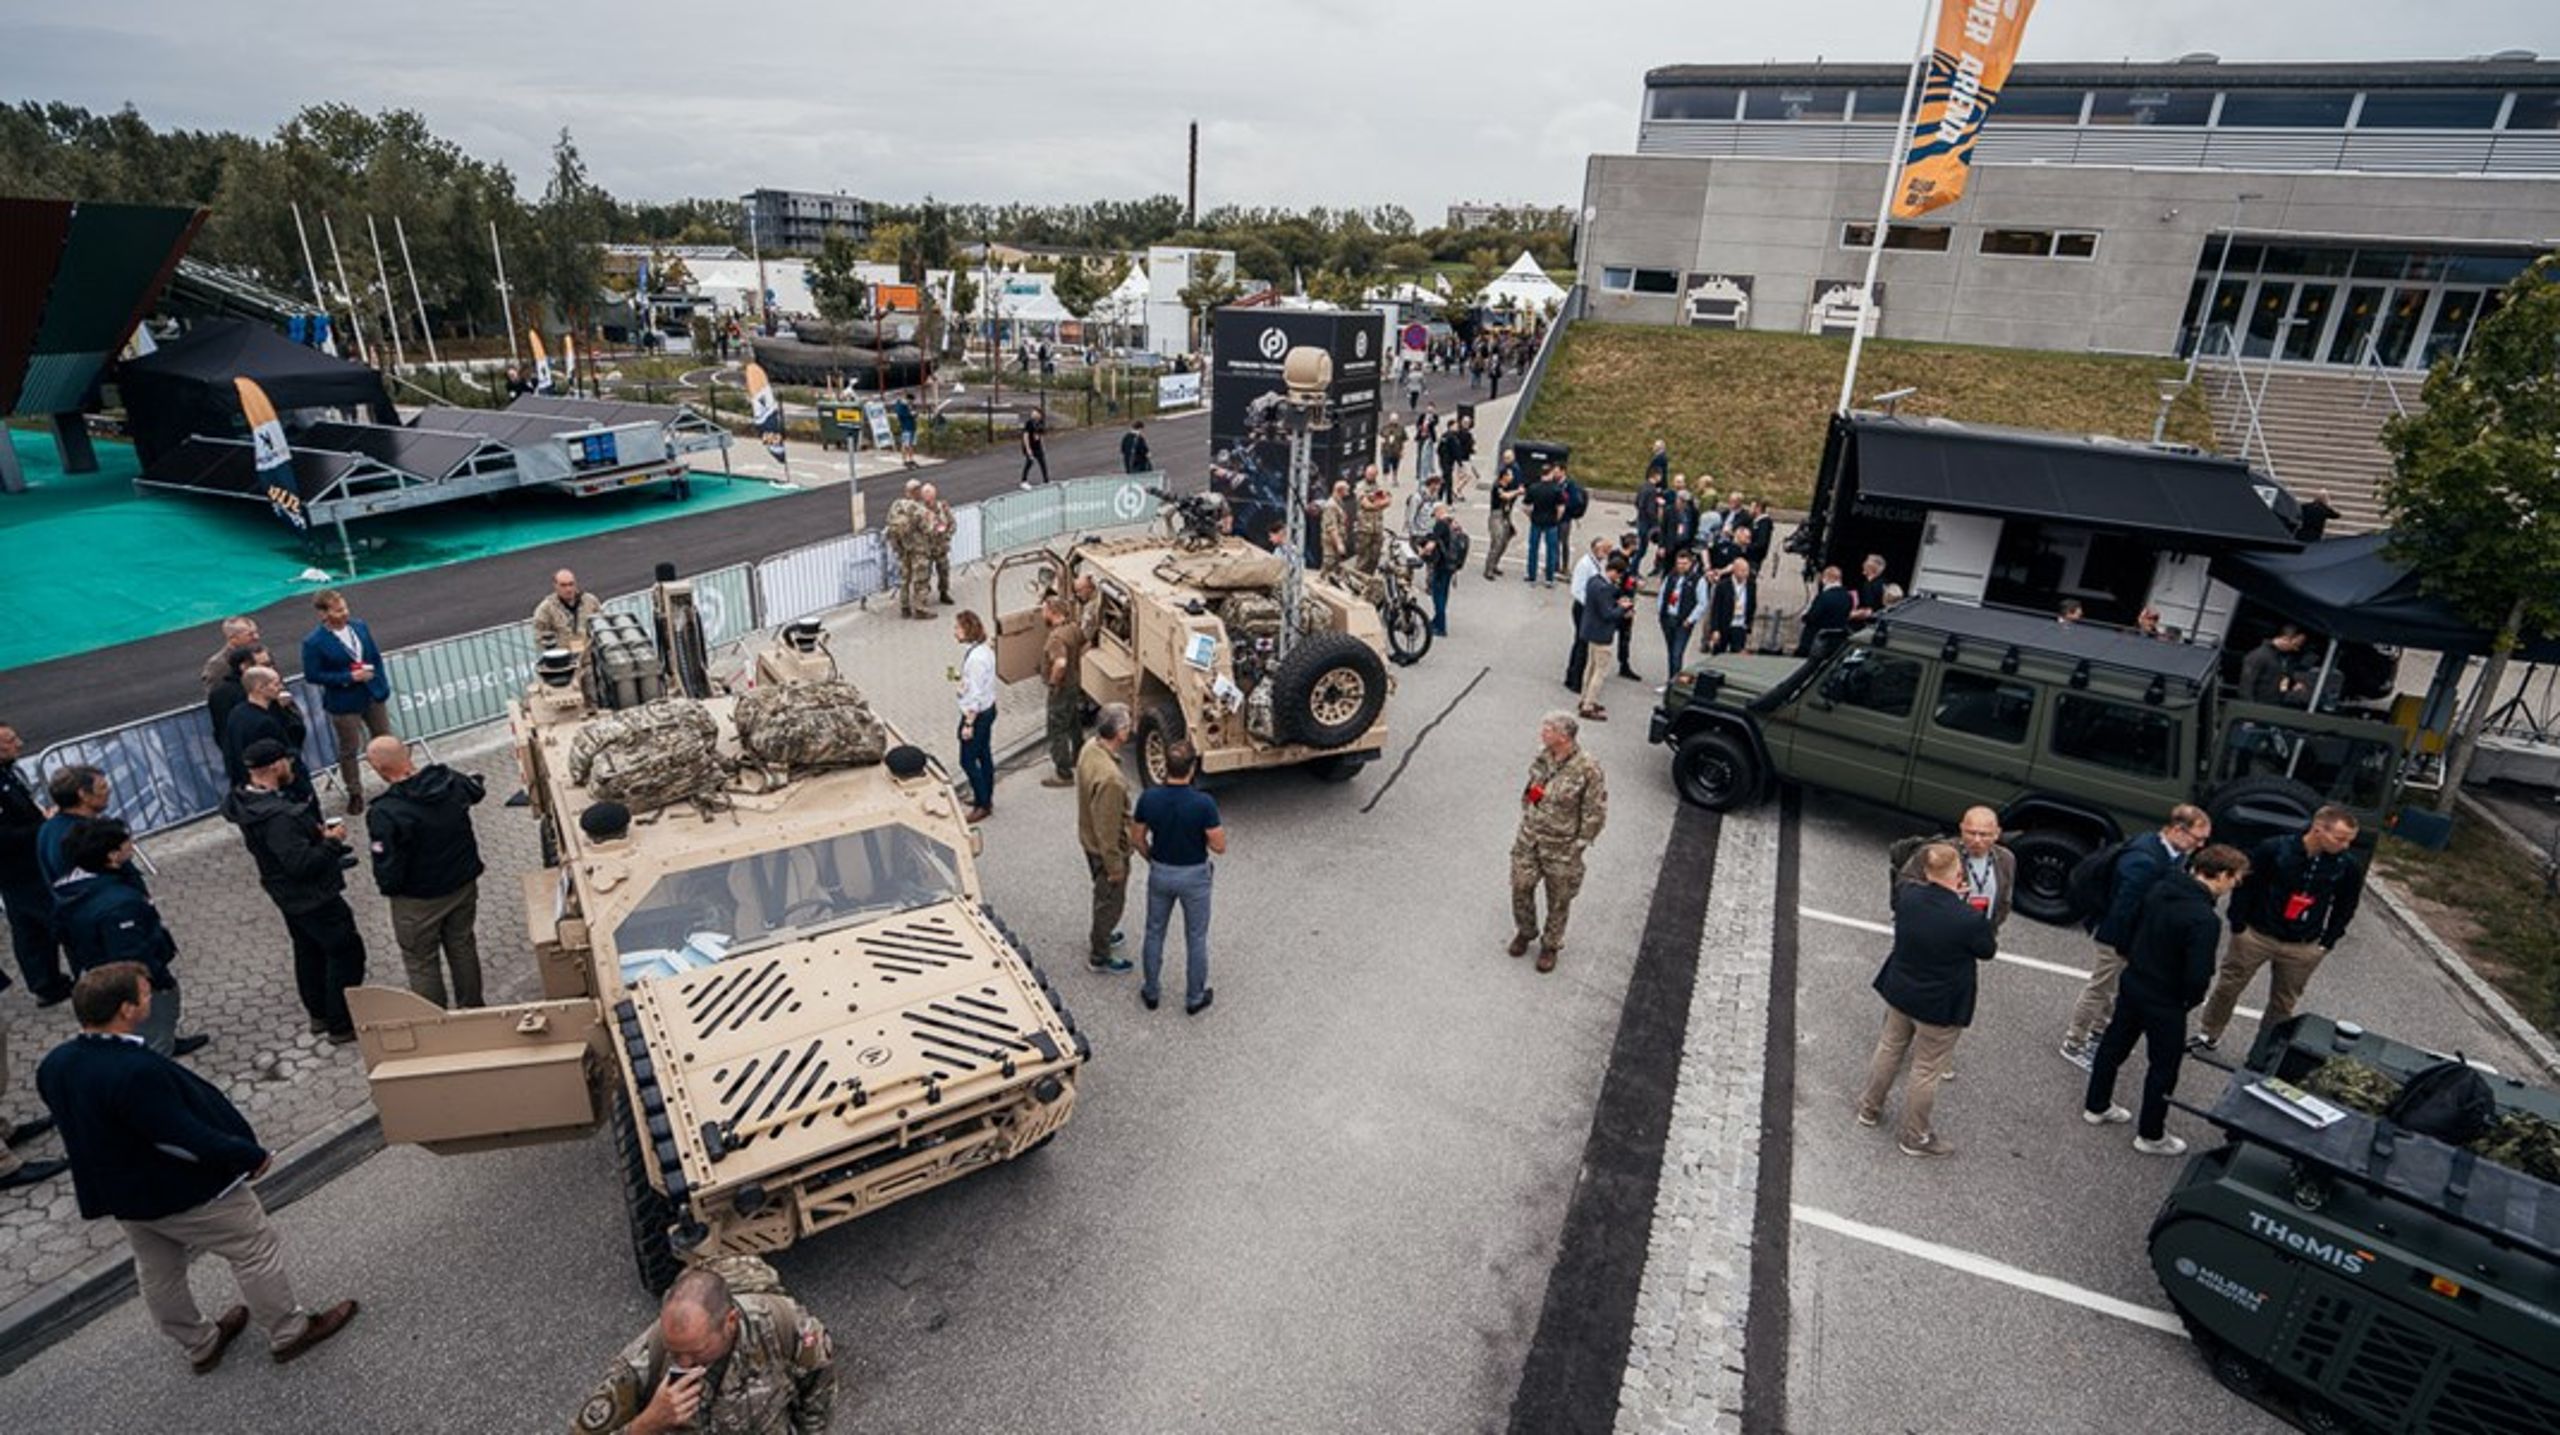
2242, 1374
1328, 691
1408, 633
1341, 767
2247, 810
2322, 1418
1158, 731
2045, 859
1715, 771
647, 1208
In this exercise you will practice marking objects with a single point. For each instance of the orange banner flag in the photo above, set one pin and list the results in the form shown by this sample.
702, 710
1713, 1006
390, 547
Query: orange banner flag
1969, 63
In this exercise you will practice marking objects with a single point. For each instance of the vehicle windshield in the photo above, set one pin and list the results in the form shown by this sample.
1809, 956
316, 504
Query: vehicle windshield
695, 917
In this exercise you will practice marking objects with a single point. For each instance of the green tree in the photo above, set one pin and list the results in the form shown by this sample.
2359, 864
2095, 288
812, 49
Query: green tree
835, 284
1077, 286
566, 256
964, 300
1212, 284
1405, 257
2474, 499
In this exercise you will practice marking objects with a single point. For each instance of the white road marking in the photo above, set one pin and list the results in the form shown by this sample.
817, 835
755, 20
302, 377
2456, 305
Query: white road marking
2033, 964
1990, 1269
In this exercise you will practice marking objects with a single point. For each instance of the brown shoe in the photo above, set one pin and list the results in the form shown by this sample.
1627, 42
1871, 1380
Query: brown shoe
1595, 714
1546, 959
976, 814
1058, 779
1519, 946
324, 1325
225, 1331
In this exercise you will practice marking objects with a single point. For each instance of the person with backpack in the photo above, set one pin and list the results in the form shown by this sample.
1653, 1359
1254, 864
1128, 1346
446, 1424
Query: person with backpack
1545, 498
2106, 891
1444, 547
2300, 895
2165, 975
1577, 502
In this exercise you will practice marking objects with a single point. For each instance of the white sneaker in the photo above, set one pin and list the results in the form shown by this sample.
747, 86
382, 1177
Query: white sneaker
2165, 1146
2112, 1116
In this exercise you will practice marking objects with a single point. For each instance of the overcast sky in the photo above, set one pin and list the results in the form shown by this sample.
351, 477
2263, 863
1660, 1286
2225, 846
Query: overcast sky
1416, 102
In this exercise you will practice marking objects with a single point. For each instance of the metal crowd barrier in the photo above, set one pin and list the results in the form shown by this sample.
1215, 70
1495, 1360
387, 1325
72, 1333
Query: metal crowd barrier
167, 768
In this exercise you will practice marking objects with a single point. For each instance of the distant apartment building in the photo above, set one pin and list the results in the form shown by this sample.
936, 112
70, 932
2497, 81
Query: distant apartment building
2324, 213
800, 219
1475, 214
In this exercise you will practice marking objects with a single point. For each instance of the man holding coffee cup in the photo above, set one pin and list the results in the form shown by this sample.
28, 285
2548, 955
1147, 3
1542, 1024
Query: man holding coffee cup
341, 659
302, 862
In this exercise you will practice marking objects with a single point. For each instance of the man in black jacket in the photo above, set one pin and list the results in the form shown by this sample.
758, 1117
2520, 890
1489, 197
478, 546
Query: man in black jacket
2170, 966
302, 863
2291, 909
1678, 610
1827, 613
1731, 609
266, 714
104, 912
427, 861
1927, 982
160, 1149
224, 695
22, 886
2141, 862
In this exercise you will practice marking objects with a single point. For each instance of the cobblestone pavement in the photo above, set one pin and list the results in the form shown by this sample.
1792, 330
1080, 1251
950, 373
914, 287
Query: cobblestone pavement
235, 967
1685, 1353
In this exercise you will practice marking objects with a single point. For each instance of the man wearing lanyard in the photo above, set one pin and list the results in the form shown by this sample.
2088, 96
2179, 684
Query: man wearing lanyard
341, 658
977, 677
1990, 874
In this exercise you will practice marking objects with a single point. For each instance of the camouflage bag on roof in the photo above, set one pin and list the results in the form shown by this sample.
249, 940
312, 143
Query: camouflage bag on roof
650, 757
805, 727
1250, 615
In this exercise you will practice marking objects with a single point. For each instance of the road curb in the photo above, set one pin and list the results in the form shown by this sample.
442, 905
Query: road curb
2499, 1008
63, 1305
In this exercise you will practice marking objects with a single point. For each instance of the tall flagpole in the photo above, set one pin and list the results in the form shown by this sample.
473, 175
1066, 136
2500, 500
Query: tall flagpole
390, 313
308, 267
355, 310
400, 231
506, 305
1884, 202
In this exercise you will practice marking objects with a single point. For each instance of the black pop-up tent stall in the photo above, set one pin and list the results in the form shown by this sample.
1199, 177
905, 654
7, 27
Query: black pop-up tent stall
2349, 588
185, 388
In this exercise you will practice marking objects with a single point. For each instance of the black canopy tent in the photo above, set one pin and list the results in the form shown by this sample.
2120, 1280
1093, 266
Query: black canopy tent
185, 388
2350, 589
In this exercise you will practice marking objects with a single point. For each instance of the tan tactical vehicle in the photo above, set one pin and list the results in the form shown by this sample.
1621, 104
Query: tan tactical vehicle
784, 986
1189, 635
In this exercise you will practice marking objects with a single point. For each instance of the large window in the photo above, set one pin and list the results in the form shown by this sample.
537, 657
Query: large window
2535, 111
1796, 102
1878, 682
2041, 107
1984, 705
725, 907
2429, 110
2041, 243
2141, 741
2286, 109
1623, 280
2151, 107
1924, 238
1695, 102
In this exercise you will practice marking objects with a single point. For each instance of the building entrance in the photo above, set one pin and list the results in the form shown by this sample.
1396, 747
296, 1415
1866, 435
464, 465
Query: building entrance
2299, 304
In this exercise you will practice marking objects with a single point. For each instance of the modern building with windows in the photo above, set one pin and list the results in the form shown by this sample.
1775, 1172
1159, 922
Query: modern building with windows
2322, 214
804, 220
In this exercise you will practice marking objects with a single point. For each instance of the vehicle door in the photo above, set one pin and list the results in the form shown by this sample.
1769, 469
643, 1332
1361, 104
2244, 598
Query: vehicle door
2117, 753
482, 1077
1973, 742
2353, 762
1852, 731
1019, 633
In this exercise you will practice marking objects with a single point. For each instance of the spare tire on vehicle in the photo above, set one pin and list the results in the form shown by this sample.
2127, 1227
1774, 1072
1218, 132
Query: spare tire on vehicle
2249, 810
1328, 691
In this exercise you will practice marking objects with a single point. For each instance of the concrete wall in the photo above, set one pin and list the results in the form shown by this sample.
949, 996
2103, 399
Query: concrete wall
1779, 221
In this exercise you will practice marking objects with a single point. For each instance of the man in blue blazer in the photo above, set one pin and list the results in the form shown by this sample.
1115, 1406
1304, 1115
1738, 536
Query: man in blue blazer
161, 1150
340, 658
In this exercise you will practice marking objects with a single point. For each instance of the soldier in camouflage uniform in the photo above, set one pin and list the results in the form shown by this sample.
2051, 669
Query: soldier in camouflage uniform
1369, 525
1336, 531
721, 1359
906, 522
936, 530
1562, 810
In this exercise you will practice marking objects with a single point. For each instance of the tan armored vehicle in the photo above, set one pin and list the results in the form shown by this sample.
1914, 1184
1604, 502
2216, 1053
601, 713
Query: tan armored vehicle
779, 981
1189, 634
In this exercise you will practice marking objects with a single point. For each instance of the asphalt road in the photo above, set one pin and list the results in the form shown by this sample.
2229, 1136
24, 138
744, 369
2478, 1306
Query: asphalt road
1329, 1203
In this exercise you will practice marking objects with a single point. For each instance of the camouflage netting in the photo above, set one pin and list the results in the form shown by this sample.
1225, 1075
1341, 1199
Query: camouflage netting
2519, 1140
1257, 615
807, 727
650, 757
1224, 571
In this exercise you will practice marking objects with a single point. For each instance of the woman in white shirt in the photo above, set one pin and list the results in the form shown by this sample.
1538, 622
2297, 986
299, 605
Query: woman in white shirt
977, 713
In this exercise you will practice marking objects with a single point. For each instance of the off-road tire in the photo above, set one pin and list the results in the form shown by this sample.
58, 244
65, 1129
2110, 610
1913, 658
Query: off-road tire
1714, 770
1340, 767
2046, 856
2247, 810
1159, 730
1328, 691
1408, 632
647, 1208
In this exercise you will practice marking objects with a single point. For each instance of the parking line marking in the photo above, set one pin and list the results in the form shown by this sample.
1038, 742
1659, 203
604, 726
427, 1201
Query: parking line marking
2034, 964
1989, 1269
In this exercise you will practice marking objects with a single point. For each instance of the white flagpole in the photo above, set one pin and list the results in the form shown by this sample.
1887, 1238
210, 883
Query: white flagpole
506, 304
355, 308
1884, 201
308, 267
400, 231
390, 309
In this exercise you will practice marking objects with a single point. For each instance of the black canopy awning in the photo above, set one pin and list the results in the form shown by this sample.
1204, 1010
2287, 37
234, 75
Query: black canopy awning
2349, 588
185, 388
2211, 505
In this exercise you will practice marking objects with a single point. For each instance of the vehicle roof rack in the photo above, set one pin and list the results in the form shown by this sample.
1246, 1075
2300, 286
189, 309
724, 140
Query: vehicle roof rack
2084, 648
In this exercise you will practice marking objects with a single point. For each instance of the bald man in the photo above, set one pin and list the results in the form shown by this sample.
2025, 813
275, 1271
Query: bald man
560, 620
729, 1354
427, 861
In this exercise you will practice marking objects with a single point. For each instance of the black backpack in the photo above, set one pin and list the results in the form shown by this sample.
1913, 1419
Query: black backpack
1456, 558
1577, 499
2448, 1101
2091, 887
